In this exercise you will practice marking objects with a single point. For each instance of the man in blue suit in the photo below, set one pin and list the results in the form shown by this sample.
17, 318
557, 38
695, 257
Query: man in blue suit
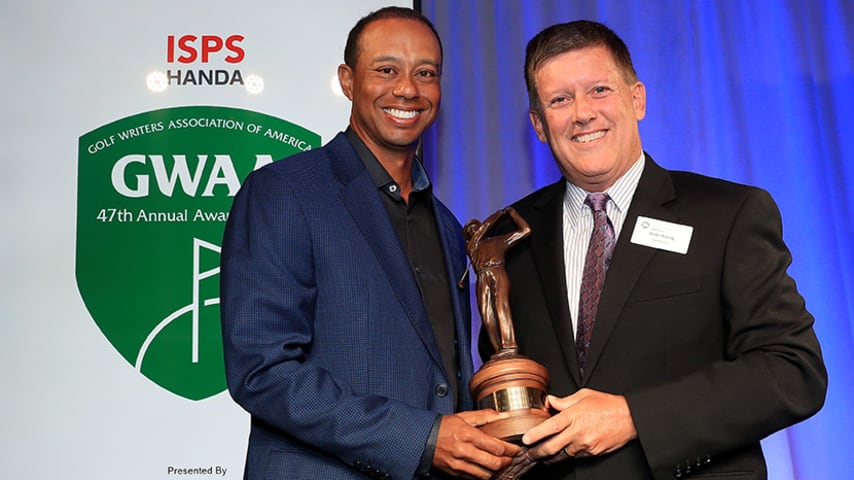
345, 335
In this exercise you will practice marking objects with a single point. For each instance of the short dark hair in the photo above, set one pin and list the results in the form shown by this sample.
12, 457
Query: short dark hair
351, 50
564, 37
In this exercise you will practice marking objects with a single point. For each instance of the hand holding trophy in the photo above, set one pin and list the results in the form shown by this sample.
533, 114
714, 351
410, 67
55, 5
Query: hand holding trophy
507, 382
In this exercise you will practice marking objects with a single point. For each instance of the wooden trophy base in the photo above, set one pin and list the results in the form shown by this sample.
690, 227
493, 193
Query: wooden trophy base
514, 384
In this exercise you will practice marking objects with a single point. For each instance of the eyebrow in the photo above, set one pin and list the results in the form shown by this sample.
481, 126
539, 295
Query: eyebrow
392, 58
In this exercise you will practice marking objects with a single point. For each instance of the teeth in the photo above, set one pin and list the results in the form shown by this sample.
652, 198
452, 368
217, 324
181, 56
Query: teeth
405, 114
589, 137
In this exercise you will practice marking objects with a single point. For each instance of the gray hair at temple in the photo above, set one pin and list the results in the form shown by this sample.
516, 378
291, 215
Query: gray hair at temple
564, 37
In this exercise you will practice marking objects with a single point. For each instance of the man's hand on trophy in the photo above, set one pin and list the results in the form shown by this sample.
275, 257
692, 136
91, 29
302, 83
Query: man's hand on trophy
587, 423
464, 451
522, 462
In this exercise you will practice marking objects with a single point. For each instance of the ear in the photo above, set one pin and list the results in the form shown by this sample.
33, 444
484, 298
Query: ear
345, 79
639, 100
537, 122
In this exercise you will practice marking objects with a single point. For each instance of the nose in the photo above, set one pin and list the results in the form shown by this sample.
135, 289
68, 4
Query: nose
405, 87
584, 111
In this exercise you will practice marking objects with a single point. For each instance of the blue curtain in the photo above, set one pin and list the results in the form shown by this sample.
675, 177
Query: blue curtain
756, 91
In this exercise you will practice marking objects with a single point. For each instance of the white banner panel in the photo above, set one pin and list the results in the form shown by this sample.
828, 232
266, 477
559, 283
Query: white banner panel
126, 128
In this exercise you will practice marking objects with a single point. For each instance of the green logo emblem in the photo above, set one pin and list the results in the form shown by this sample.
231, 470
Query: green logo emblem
154, 192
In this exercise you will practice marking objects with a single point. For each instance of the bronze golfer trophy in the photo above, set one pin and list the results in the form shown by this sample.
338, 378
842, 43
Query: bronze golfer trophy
507, 382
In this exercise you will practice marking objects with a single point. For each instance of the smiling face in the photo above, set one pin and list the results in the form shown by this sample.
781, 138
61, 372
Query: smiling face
394, 85
588, 113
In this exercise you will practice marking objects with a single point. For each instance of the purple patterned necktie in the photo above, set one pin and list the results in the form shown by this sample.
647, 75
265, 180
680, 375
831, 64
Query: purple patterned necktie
599, 252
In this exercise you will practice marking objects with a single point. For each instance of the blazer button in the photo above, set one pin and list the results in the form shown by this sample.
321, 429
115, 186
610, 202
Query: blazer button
442, 390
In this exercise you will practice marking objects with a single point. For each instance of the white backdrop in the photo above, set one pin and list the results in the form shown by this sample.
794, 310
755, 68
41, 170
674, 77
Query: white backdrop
71, 406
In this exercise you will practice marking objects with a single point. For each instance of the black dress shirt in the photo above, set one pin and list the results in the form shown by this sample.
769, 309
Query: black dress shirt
415, 225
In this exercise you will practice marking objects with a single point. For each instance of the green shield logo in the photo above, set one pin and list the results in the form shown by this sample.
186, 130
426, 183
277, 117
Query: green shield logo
154, 191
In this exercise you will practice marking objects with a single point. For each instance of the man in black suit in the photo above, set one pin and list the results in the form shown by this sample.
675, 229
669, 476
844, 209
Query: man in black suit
701, 345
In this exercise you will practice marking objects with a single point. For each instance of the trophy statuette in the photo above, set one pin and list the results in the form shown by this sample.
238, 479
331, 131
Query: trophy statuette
507, 382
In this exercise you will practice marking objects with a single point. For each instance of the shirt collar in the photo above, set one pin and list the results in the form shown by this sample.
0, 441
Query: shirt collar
621, 192
380, 176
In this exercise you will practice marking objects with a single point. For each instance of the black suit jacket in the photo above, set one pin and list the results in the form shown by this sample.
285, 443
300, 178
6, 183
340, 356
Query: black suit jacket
714, 349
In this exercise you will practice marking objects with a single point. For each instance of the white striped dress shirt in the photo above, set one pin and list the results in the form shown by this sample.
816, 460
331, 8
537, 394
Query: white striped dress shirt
578, 226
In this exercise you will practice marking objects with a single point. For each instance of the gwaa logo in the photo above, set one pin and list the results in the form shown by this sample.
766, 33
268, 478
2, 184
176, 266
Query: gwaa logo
154, 194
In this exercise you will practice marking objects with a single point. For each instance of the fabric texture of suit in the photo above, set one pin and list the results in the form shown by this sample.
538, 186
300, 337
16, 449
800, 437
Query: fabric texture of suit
713, 350
327, 342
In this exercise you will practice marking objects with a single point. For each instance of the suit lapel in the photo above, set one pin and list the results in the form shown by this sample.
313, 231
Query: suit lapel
655, 189
360, 197
547, 250
450, 234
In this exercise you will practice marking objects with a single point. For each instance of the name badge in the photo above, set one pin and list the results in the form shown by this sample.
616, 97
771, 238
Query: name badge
669, 236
